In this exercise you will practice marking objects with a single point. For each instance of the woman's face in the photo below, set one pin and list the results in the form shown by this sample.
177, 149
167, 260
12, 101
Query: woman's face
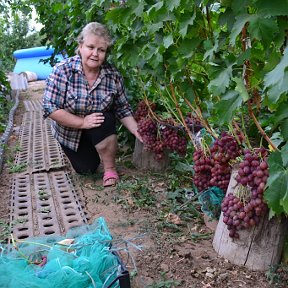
93, 52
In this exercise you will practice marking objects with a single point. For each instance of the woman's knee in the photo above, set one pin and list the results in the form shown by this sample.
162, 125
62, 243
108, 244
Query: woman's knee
108, 143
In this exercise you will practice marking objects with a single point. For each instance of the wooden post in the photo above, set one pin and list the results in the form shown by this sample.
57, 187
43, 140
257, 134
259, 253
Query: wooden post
144, 159
258, 247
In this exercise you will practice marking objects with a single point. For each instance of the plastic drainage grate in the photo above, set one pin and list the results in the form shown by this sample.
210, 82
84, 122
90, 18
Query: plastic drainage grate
39, 150
33, 105
44, 204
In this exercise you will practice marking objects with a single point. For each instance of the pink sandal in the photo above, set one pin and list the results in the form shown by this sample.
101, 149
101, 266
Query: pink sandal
110, 178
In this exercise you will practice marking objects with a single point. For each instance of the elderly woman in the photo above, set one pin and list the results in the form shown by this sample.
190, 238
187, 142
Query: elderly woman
84, 95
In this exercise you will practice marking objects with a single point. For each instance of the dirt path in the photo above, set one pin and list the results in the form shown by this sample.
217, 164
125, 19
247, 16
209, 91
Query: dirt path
171, 254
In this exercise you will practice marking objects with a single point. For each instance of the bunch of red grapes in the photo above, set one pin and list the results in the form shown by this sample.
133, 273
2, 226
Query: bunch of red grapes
173, 140
142, 110
148, 129
159, 137
224, 149
213, 168
193, 123
243, 211
202, 170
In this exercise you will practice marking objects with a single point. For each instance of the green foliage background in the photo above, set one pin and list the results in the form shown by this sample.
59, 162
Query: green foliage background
225, 59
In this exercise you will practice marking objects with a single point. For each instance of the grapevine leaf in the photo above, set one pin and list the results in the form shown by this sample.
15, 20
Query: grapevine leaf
284, 200
154, 27
210, 53
241, 20
185, 21
153, 9
168, 41
276, 91
281, 113
117, 14
276, 193
276, 139
284, 153
277, 74
279, 7
57, 7
172, 4
239, 6
183, 167
262, 28
284, 129
241, 89
219, 84
187, 47
226, 107
138, 8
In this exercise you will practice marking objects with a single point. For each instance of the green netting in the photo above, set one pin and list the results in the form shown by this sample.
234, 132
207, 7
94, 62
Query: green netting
43, 262
211, 200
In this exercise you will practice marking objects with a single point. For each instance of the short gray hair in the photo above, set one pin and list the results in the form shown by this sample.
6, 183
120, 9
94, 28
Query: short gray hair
97, 29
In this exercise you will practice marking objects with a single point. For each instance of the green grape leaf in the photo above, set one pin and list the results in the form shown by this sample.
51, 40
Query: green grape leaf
281, 113
168, 41
241, 20
138, 8
210, 52
185, 21
262, 28
277, 139
221, 82
275, 8
284, 129
277, 74
187, 47
153, 10
278, 89
227, 106
172, 4
118, 14
154, 27
276, 194
284, 153
241, 89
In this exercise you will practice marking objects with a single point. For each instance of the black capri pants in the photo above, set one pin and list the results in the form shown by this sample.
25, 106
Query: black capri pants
86, 159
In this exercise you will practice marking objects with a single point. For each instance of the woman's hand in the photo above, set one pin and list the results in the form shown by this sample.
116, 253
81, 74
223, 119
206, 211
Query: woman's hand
130, 123
138, 136
93, 120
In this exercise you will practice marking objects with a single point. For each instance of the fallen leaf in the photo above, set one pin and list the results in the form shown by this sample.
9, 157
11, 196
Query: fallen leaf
173, 218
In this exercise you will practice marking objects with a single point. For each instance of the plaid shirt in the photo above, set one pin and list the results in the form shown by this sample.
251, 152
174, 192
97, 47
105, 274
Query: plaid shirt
67, 88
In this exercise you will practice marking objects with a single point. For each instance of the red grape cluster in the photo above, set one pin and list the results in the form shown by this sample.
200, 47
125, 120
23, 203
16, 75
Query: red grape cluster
216, 169
173, 140
224, 149
244, 208
202, 170
147, 128
142, 110
159, 140
193, 123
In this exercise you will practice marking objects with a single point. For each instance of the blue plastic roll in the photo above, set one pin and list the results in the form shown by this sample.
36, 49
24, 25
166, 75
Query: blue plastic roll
33, 52
31, 59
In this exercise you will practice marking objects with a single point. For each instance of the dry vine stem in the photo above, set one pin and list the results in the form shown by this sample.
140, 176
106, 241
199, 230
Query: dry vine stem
181, 115
203, 121
246, 77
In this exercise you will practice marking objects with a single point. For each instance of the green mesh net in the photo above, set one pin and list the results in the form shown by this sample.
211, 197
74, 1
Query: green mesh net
210, 201
83, 258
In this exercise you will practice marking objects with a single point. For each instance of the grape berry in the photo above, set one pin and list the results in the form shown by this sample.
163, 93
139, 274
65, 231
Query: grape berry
244, 208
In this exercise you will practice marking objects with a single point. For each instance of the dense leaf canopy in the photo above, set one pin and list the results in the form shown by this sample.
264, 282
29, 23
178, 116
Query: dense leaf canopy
224, 60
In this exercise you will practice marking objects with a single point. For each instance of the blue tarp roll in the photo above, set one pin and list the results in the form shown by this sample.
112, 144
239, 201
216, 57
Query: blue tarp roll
30, 60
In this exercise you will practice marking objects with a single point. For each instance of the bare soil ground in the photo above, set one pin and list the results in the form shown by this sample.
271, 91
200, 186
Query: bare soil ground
173, 253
